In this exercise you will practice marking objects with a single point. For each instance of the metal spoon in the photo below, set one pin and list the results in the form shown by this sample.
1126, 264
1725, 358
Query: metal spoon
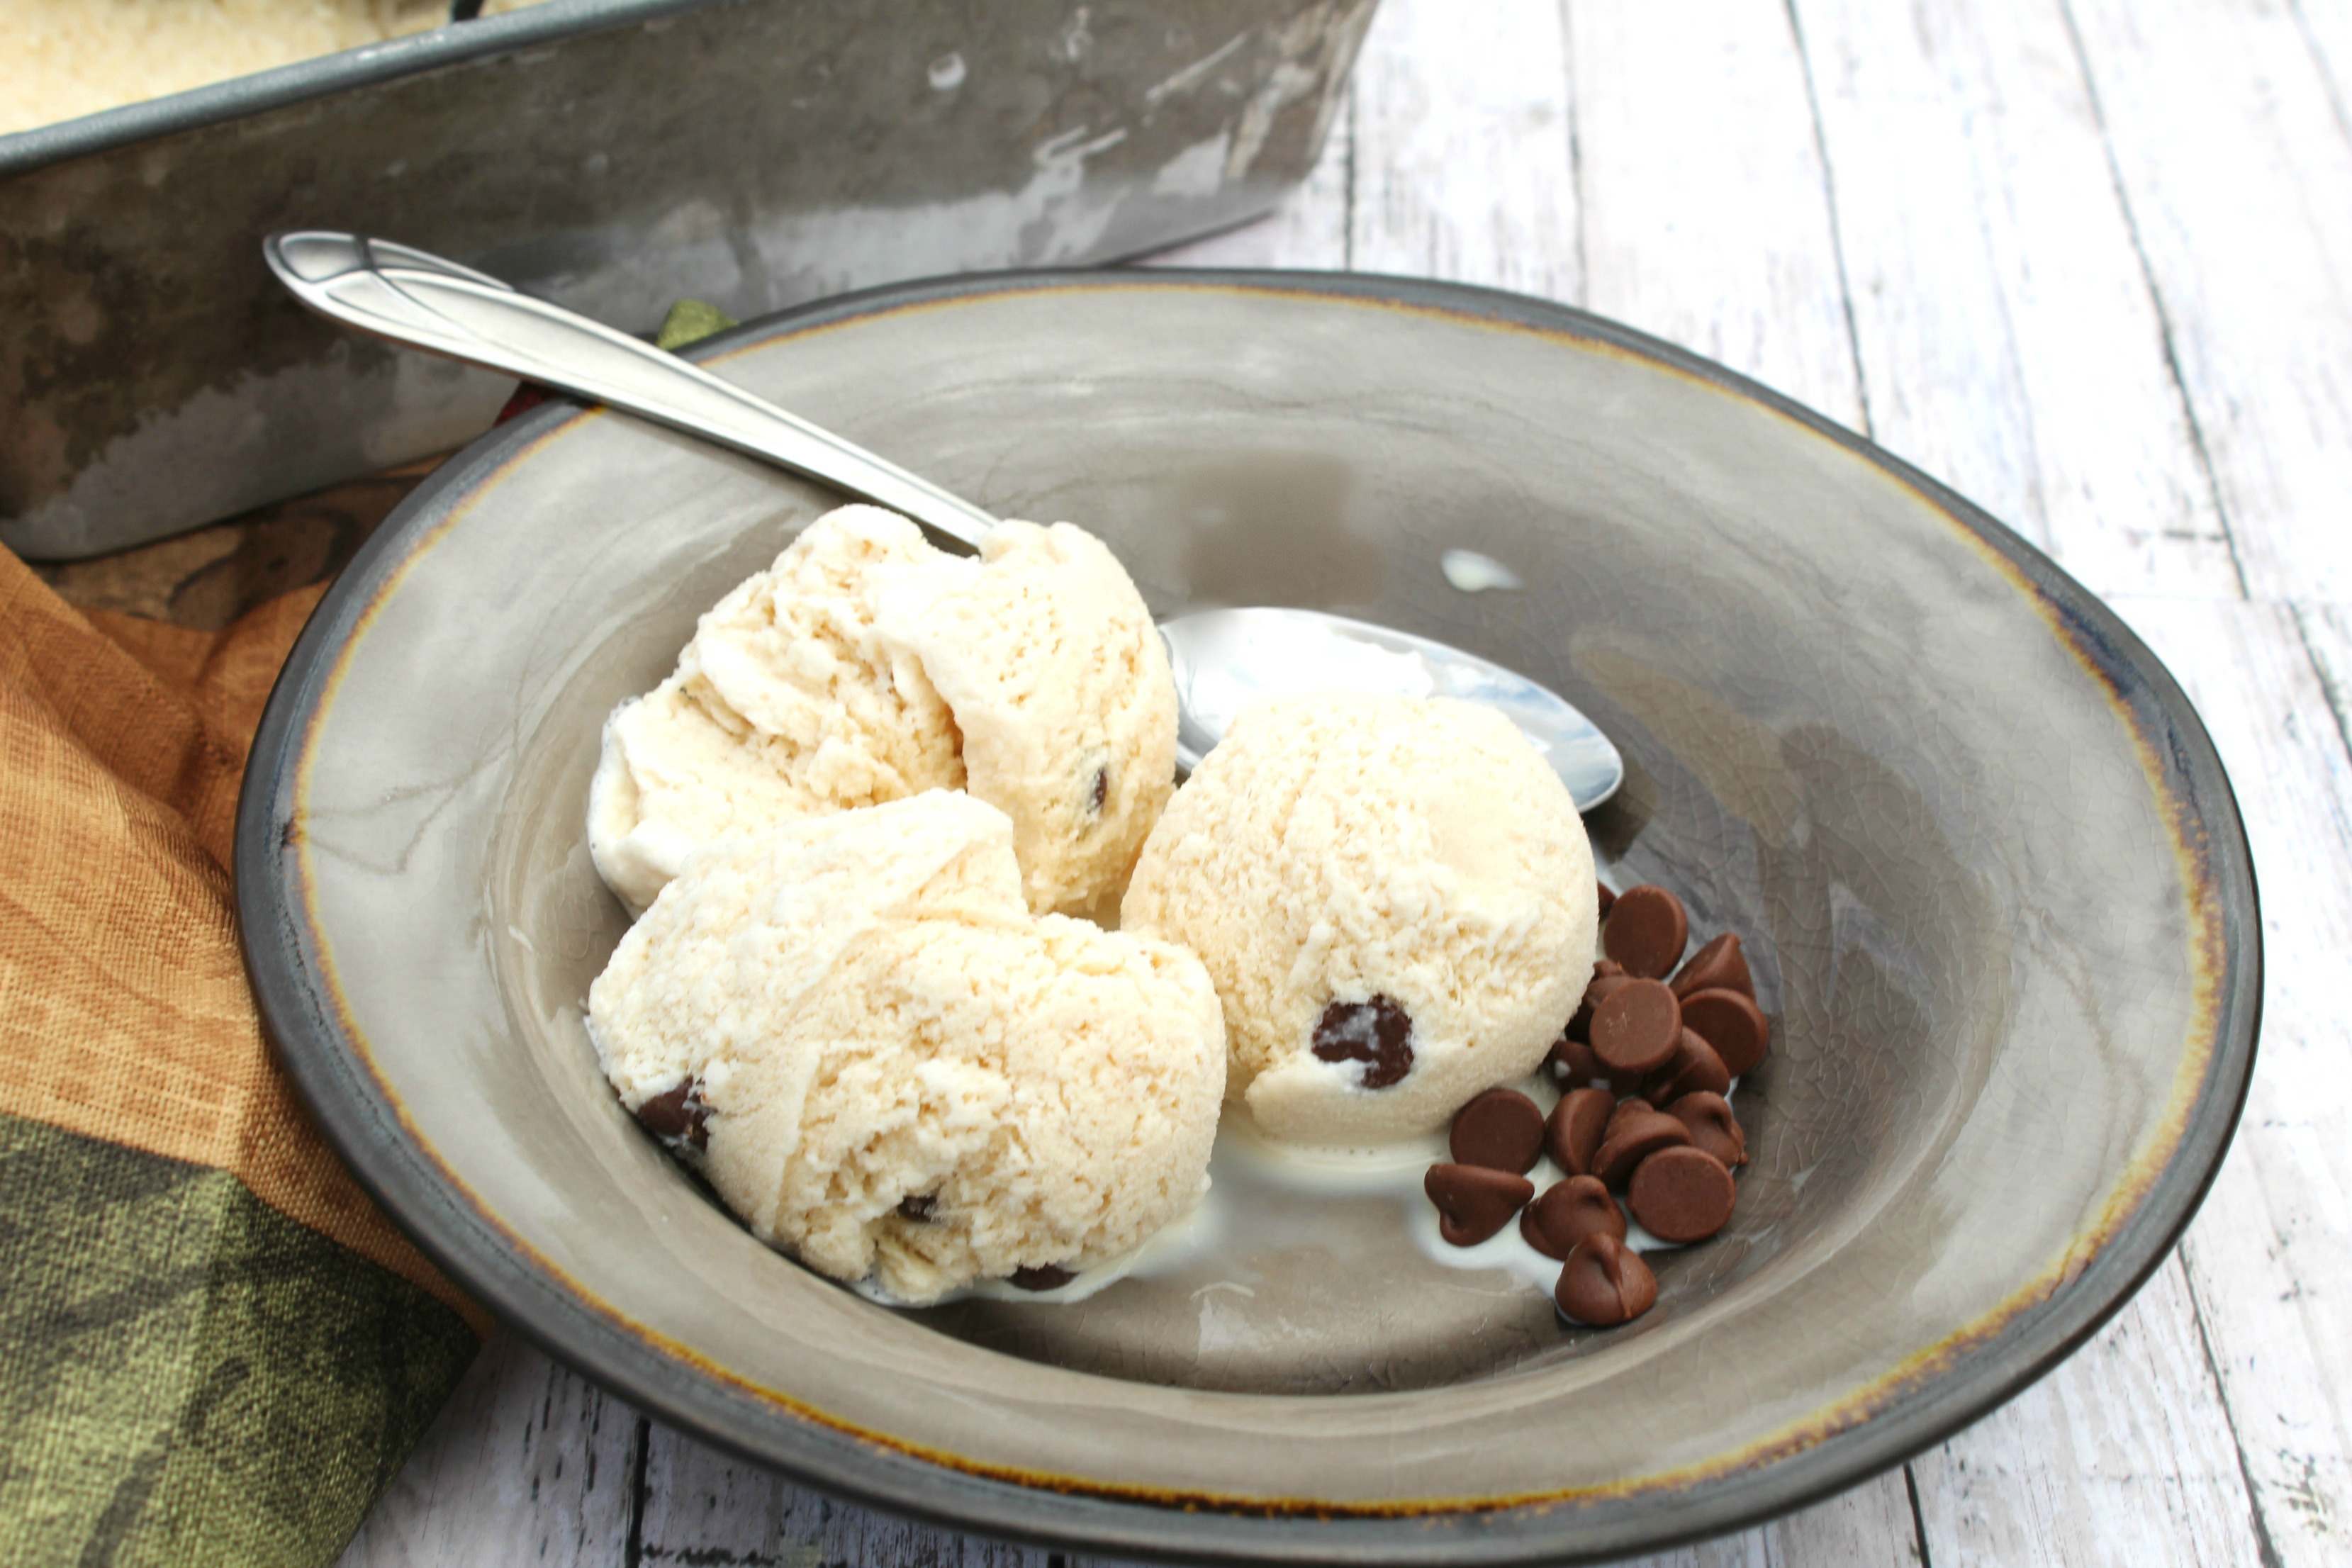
1222, 659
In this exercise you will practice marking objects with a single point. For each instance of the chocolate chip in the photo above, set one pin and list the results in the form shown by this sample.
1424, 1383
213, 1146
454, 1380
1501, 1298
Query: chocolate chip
1632, 1139
1102, 789
1636, 1026
1501, 1129
1712, 1126
1629, 1106
1681, 1194
1377, 1033
1567, 1212
1576, 1127
677, 1113
1606, 969
1604, 1282
1717, 966
1573, 1064
1732, 1024
1607, 898
1046, 1276
1693, 1069
1473, 1202
1606, 977
1646, 930
919, 1207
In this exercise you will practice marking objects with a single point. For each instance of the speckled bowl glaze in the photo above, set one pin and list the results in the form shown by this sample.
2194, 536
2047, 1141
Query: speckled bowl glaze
1993, 884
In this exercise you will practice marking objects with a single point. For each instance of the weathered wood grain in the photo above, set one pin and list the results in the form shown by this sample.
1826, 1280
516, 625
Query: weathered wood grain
2270, 1257
2123, 1455
527, 1463
1707, 213
2009, 340
704, 1509
2326, 26
1462, 147
2237, 173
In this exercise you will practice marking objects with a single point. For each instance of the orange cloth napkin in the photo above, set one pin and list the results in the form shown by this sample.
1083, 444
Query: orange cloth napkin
194, 1285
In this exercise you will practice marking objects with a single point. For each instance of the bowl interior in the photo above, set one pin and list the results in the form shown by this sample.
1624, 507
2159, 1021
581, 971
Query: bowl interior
1981, 903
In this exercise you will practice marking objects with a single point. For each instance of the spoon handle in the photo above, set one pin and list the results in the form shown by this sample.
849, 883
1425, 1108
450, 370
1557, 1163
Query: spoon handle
424, 302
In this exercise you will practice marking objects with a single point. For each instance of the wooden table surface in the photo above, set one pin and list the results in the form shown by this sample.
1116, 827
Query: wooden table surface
2091, 262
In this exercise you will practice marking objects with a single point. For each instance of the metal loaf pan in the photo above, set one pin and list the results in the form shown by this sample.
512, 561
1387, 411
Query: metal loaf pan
611, 154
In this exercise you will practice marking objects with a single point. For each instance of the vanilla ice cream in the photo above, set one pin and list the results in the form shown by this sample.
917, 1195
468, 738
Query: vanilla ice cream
1394, 899
887, 1065
865, 666
68, 58
1059, 683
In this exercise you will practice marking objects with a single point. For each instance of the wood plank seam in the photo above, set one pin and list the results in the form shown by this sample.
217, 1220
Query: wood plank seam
1837, 230
641, 1441
2337, 695
1573, 121
1919, 1518
2165, 331
2328, 83
2263, 1542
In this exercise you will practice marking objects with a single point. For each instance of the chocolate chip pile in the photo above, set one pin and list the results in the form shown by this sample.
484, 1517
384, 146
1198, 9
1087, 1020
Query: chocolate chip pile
1643, 1066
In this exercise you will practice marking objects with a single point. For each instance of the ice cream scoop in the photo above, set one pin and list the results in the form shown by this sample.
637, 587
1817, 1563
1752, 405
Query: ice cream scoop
1222, 659
855, 1028
1388, 894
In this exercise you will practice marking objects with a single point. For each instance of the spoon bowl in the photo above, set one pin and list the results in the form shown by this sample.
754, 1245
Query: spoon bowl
1222, 659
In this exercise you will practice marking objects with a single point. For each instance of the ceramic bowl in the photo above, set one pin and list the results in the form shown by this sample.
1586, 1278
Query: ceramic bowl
1993, 885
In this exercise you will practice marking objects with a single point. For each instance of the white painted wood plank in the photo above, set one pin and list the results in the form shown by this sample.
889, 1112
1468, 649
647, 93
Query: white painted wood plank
2122, 1455
1308, 232
2009, 342
2269, 1256
2328, 24
703, 1510
2238, 175
1705, 211
1462, 147
1868, 1526
527, 1463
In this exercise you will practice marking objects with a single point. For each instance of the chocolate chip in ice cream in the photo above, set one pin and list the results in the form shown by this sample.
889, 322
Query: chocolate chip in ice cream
1712, 1126
1694, 1069
1102, 789
1604, 1282
1732, 1024
1501, 1129
1473, 1202
1636, 1026
1717, 966
1044, 1277
678, 1113
1567, 1212
1646, 931
919, 1207
1576, 1127
1377, 1033
1633, 1139
1681, 1194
